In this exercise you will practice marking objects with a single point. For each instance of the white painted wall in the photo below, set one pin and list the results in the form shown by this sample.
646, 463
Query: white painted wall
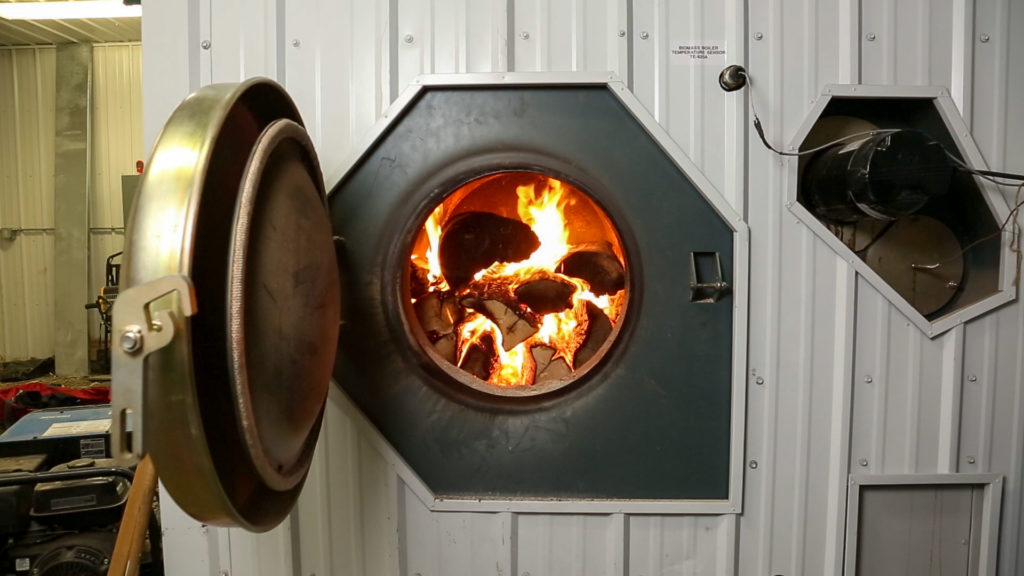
846, 379
117, 144
27, 77
27, 91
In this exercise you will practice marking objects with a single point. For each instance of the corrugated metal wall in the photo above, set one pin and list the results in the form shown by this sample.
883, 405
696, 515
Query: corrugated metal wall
117, 144
848, 384
27, 77
27, 90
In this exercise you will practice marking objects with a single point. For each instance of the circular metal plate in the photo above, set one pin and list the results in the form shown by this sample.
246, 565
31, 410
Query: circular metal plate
283, 297
211, 397
921, 259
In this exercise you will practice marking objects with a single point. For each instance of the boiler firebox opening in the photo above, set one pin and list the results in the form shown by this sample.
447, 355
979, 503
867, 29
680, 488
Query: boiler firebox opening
518, 283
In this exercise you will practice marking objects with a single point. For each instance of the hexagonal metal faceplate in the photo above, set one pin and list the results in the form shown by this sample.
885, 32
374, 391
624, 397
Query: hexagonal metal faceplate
978, 205
660, 419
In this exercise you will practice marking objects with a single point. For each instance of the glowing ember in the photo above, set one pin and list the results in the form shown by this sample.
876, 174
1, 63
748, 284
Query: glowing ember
526, 341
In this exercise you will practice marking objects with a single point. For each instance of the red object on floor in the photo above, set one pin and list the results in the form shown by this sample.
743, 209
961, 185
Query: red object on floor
24, 398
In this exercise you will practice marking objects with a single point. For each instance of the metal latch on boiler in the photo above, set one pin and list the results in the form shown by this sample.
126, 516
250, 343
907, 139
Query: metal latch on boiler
142, 331
702, 266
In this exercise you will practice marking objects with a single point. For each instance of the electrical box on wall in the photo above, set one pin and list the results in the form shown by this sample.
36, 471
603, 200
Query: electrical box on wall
884, 178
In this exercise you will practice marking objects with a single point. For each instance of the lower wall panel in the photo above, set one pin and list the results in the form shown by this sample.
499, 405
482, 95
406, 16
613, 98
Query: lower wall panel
356, 517
459, 543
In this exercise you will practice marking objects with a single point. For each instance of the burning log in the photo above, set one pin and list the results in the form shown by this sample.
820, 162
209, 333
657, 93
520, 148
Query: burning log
547, 368
419, 283
446, 347
546, 294
481, 358
598, 329
515, 323
438, 312
542, 356
556, 370
473, 241
596, 263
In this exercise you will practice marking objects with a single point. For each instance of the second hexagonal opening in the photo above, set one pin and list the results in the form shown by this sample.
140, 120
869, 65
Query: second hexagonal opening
886, 184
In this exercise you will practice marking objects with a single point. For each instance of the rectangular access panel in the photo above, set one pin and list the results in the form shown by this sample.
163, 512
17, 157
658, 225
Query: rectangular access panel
920, 526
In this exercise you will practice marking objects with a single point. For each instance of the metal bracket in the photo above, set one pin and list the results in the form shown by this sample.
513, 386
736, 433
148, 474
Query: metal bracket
140, 332
706, 292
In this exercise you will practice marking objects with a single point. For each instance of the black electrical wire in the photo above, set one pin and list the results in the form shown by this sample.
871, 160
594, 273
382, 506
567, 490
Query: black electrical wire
989, 175
1011, 217
984, 174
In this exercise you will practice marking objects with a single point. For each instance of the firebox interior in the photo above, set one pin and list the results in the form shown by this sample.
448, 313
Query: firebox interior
517, 282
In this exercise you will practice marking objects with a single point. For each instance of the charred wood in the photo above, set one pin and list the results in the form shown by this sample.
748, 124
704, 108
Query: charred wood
481, 357
515, 323
446, 347
438, 312
596, 263
419, 284
472, 241
542, 356
555, 370
546, 295
598, 330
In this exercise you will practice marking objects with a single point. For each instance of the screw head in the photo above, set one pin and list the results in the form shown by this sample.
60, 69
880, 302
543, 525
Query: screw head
408, 38
971, 460
870, 36
758, 36
973, 378
868, 379
524, 35
205, 44
759, 381
644, 35
131, 339
863, 461
752, 464
622, 33
984, 38
296, 43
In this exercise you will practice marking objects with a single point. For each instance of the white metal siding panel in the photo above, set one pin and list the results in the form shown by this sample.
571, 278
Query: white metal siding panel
898, 399
27, 92
907, 42
329, 512
685, 97
460, 543
336, 68
247, 39
992, 423
569, 545
1009, 420
801, 308
679, 545
117, 144
117, 127
558, 35
448, 36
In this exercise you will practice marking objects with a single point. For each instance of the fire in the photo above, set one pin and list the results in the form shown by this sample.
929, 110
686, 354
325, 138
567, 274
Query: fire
432, 259
542, 208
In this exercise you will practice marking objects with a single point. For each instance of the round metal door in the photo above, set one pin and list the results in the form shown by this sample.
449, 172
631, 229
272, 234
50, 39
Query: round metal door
227, 322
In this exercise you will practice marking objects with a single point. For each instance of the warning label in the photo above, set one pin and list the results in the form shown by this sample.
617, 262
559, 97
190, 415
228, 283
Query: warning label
80, 427
698, 53
93, 447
